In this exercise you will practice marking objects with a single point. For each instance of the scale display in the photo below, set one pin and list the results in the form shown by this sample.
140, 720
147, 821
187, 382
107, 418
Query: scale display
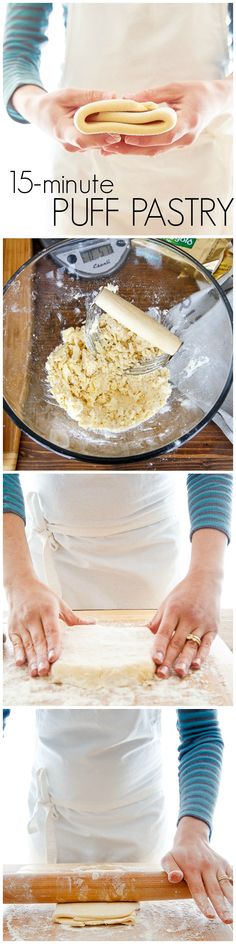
90, 258
90, 254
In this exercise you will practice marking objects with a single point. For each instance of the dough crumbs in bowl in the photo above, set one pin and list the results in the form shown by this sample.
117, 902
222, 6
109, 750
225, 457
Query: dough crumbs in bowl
96, 391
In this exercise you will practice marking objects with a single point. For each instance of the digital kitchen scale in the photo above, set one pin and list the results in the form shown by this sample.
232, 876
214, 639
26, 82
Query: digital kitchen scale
88, 258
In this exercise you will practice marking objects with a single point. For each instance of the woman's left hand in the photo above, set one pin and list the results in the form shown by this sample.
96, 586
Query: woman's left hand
208, 875
192, 607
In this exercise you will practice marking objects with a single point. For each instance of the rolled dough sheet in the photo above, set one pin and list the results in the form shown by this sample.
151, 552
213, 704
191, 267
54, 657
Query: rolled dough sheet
124, 116
98, 655
95, 913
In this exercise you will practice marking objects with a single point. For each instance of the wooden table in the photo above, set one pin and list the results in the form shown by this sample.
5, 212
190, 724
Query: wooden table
212, 686
155, 921
209, 450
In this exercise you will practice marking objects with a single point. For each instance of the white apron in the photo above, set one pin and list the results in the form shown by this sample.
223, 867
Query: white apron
96, 793
133, 46
105, 541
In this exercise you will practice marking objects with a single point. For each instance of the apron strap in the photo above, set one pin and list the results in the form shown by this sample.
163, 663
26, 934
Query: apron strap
43, 816
49, 543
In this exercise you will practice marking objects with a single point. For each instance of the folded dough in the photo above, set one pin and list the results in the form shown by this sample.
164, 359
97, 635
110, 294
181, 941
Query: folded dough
124, 116
104, 656
93, 913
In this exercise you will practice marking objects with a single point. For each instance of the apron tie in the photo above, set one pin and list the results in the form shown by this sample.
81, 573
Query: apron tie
44, 815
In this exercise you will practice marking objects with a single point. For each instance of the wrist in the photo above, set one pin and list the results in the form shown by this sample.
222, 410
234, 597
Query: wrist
207, 553
224, 96
202, 571
19, 582
26, 99
190, 827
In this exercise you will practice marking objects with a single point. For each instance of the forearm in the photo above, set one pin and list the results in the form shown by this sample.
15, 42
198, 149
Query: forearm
200, 760
25, 33
18, 565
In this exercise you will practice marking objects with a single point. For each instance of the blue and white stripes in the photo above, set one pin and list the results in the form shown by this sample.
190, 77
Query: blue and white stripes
200, 761
210, 501
25, 33
13, 500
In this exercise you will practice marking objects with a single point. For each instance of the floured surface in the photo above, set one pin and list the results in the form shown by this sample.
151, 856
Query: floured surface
155, 921
211, 686
92, 914
101, 656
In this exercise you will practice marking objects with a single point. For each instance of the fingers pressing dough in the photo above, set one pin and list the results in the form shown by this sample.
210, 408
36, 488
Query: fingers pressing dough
123, 116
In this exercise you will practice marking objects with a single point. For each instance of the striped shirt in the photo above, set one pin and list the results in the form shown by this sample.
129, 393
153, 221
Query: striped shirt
200, 761
209, 500
25, 35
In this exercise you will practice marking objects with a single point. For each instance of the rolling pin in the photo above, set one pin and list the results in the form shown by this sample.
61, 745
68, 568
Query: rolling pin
76, 883
137, 321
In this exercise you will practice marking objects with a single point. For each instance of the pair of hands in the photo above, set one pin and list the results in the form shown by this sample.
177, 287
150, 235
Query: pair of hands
34, 627
196, 104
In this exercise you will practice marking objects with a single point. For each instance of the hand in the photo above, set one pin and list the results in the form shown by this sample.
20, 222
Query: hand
196, 104
53, 112
34, 627
192, 858
192, 607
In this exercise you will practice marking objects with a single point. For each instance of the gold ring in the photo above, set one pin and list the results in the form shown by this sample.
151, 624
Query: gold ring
192, 637
225, 878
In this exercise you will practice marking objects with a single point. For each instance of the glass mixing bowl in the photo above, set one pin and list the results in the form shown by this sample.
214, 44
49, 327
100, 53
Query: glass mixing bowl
44, 297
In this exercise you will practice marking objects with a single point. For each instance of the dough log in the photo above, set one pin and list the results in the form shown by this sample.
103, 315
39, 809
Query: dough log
137, 321
124, 116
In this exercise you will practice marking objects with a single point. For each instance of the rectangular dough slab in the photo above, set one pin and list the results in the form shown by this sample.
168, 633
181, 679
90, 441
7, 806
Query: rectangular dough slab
99, 656
95, 913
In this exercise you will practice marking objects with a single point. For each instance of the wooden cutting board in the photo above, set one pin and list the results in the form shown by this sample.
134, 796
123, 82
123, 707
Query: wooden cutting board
15, 253
212, 686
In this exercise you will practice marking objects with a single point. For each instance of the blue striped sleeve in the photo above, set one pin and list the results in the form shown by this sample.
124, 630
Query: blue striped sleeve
25, 33
210, 501
200, 761
13, 499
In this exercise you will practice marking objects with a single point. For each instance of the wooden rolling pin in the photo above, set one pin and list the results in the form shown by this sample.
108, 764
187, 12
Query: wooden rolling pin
137, 321
71, 883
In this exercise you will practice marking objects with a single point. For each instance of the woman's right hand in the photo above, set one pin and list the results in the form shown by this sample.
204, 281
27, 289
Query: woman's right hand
33, 624
53, 112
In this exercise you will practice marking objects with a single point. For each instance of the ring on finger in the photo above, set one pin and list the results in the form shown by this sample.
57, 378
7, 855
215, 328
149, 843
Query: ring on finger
192, 637
225, 878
